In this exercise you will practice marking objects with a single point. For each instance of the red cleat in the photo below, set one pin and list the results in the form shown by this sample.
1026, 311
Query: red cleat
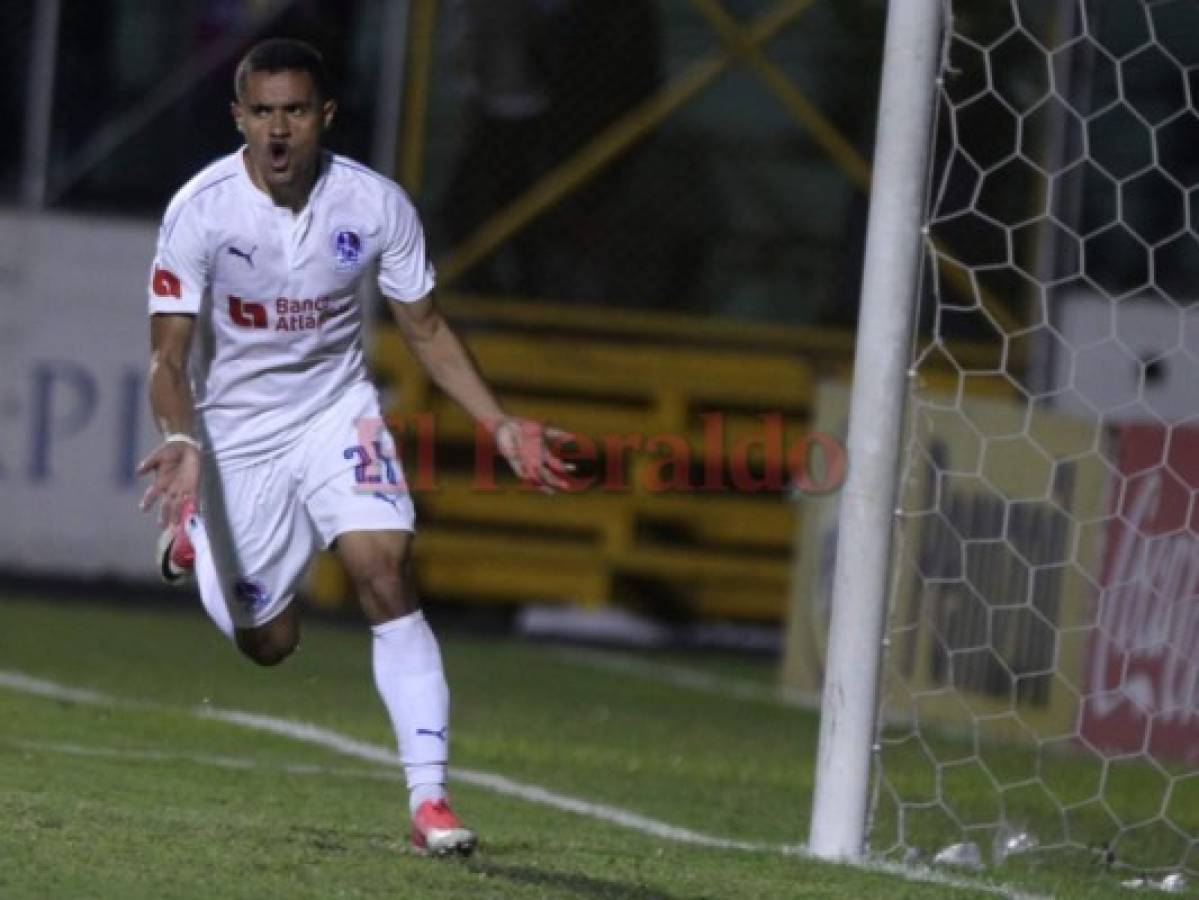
176, 555
436, 831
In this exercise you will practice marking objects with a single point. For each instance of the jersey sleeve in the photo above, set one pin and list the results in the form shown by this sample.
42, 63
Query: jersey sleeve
405, 273
179, 275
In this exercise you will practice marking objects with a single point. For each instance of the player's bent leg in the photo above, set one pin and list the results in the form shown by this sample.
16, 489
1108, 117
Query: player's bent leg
208, 581
378, 565
251, 546
271, 643
410, 680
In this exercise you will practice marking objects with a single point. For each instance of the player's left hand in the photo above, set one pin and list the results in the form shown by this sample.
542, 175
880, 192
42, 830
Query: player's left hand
526, 445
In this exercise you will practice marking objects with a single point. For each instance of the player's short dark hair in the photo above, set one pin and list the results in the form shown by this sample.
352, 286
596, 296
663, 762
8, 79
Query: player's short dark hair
282, 55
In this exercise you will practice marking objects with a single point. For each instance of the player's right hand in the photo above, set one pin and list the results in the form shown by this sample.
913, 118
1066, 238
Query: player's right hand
174, 469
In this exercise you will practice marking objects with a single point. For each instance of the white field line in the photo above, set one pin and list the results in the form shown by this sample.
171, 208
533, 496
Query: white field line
27, 684
691, 679
308, 733
323, 737
219, 761
698, 680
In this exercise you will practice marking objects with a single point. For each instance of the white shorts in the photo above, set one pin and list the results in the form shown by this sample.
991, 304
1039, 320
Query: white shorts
260, 524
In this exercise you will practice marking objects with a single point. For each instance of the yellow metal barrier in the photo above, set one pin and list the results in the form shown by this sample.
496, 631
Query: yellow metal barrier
714, 553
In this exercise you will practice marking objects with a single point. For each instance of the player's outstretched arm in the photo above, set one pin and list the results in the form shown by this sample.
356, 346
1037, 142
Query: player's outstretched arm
523, 442
174, 467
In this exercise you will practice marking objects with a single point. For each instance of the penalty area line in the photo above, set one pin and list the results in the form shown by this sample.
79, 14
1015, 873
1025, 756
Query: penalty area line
309, 733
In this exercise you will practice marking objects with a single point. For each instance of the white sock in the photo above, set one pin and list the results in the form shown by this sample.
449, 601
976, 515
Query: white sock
411, 681
212, 595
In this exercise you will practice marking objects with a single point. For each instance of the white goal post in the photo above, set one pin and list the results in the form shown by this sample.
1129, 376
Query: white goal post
1012, 667
889, 298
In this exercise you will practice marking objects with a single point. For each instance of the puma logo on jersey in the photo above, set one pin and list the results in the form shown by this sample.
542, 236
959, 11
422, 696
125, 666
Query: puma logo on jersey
242, 254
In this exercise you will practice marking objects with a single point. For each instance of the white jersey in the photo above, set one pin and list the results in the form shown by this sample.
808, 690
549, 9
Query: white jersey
279, 332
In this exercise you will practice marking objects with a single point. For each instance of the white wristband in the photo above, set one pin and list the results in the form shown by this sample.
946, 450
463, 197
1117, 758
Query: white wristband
178, 437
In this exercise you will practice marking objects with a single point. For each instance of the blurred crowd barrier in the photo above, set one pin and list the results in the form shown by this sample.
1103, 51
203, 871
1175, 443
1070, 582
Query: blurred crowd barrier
680, 506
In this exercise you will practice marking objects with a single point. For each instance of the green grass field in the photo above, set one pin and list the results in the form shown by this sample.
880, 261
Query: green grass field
157, 797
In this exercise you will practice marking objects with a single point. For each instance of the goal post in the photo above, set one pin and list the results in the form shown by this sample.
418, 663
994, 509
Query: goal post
1012, 665
888, 302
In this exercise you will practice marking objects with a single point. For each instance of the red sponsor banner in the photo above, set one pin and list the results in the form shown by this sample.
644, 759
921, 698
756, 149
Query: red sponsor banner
1143, 665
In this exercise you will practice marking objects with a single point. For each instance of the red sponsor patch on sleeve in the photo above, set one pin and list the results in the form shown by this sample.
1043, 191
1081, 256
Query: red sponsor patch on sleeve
167, 284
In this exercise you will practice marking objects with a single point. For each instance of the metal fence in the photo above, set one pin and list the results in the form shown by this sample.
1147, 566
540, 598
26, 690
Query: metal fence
698, 155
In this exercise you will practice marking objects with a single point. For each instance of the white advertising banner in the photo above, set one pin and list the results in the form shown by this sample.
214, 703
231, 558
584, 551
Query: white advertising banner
1132, 361
74, 418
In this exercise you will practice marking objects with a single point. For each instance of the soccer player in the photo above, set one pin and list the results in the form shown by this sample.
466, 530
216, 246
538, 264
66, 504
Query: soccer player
272, 439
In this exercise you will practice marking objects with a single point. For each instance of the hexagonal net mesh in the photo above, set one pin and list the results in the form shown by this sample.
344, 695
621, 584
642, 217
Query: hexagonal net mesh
1042, 675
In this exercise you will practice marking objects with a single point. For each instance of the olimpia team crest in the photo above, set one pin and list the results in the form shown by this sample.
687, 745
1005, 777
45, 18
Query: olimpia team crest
347, 249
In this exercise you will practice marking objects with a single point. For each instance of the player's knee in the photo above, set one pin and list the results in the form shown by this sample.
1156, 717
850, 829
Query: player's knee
384, 588
273, 655
268, 654
382, 578
268, 649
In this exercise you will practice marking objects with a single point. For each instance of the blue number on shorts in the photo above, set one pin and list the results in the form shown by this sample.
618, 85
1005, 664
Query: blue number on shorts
362, 471
388, 463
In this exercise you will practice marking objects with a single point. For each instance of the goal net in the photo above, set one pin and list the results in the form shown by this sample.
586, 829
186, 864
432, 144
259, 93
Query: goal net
1041, 684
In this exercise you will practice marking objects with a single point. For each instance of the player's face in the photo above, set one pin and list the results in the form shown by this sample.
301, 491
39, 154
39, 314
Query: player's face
282, 117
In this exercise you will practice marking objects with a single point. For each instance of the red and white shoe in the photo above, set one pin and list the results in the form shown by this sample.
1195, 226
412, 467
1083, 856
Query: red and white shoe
176, 555
436, 831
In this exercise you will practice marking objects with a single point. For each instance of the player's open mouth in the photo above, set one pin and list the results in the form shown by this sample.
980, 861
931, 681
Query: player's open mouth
280, 156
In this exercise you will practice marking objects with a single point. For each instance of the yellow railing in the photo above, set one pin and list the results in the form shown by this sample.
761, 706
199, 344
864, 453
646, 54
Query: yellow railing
619, 379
